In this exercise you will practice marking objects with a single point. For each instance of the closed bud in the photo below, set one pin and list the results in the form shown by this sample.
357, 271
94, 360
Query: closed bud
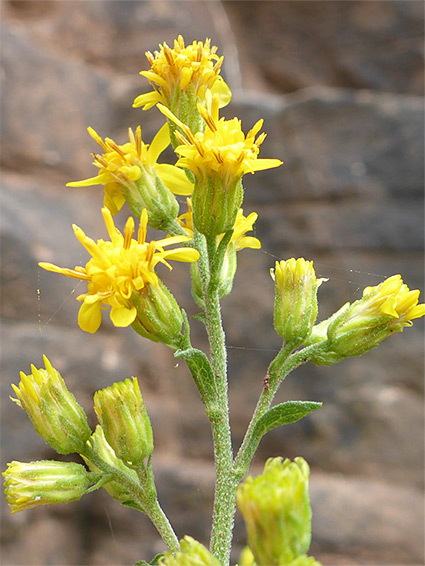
295, 308
42, 483
191, 553
53, 410
276, 510
158, 315
125, 422
100, 445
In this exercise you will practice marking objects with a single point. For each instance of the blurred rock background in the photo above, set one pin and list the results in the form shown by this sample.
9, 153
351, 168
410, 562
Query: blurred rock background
340, 86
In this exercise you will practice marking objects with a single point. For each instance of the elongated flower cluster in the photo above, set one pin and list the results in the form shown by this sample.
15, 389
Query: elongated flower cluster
119, 270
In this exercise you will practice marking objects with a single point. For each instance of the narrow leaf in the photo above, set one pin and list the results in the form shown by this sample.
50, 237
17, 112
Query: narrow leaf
284, 413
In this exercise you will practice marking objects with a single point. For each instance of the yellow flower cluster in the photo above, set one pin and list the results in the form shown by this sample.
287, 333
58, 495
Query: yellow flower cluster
118, 269
196, 66
223, 148
126, 170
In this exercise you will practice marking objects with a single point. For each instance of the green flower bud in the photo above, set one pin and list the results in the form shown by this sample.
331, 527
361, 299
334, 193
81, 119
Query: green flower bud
53, 410
125, 422
100, 445
358, 327
42, 483
295, 308
276, 510
158, 317
191, 553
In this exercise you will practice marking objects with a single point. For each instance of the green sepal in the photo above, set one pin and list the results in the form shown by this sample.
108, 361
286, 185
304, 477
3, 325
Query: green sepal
202, 374
282, 414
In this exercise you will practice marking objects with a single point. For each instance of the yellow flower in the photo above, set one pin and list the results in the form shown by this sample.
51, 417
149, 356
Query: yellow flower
238, 241
222, 148
120, 270
218, 158
358, 327
195, 67
243, 224
131, 172
393, 298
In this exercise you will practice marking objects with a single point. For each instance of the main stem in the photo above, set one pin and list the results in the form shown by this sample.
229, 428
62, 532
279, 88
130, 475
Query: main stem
225, 488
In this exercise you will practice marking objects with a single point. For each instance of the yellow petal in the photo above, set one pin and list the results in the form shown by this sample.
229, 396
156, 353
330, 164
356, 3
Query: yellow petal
122, 316
160, 142
147, 100
100, 179
261, 164
182, 254
221, 89
248, 242
174, 178
90, 316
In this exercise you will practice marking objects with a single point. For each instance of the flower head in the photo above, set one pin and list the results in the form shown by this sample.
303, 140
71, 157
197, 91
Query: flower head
120, 271
218, 158
222, 147
31, 484
358, 327
125, 422
194, 68
276, 510
53, 410
191, 553
131, 172
295, 308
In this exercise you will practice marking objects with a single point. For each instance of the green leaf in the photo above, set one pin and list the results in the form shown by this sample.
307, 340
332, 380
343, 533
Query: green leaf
202, 374
282, 414
154, 562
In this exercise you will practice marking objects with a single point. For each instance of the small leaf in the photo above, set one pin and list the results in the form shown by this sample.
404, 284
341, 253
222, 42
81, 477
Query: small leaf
202, 373
284, 413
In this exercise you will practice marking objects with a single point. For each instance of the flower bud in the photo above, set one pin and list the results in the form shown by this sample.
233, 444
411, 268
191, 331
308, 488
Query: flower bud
100, 445
276, 510
158, 317
358, 327
41, 483
53, 410
125, 422
191, 553
295, 308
